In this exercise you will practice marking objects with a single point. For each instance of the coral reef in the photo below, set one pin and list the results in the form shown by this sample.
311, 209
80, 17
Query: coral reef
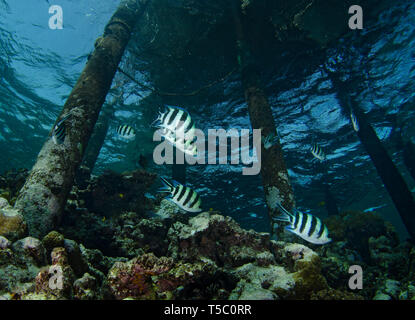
213, 247
68, 272
12, 224
95, 212
368, 241
85, 288
52, 240
211, 257
18, 267
136, 235
150, 249
357, 227
217, 238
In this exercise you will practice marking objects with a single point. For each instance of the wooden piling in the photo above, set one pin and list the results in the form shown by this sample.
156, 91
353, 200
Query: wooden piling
43, 197
275, 180
387, 171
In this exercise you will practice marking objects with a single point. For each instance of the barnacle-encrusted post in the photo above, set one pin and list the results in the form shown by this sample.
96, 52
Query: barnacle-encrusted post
388, 172
274, 173
43, 197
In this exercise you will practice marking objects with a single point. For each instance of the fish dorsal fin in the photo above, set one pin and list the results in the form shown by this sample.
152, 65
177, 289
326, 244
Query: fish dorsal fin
62, 120
59, 124
176, 183
285, 216
283, 210
176, 107
168, 108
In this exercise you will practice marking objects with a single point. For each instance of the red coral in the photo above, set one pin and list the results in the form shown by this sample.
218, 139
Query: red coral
135, 278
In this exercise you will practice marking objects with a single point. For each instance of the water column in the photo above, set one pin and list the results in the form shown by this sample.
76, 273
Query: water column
178, 170
274, 173
330, 201
43, 197
390, 175
98, 137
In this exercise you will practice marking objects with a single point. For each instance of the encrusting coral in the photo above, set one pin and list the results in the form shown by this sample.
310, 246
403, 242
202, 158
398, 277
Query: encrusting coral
12, 224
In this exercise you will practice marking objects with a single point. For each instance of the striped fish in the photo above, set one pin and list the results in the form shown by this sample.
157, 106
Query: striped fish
305, 225
186, 146
174, 119
355, 123
183, 196
317, 152
59, 131
178, 128
125, 131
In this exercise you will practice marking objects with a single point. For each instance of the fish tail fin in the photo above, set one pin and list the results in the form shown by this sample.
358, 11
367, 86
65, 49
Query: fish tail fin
283, 210
156, 123
282, 217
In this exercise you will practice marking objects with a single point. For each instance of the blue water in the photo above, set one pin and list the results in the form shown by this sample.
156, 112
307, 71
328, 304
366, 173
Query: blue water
39, 67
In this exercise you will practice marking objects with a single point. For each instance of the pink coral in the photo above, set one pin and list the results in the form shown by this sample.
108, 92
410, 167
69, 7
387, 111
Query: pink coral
134, 278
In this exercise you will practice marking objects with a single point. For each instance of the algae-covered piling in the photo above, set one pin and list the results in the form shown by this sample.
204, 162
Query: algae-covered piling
274, 173
388, 172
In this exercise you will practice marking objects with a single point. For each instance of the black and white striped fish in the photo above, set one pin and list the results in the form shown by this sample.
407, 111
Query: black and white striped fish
317, 152
178, 128
59, 131
183, 196
355, 123
305, 225
174, 119
185, 145
125, 131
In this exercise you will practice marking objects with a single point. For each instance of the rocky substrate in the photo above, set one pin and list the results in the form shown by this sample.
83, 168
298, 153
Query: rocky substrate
210, 257
207, 257
366, 240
